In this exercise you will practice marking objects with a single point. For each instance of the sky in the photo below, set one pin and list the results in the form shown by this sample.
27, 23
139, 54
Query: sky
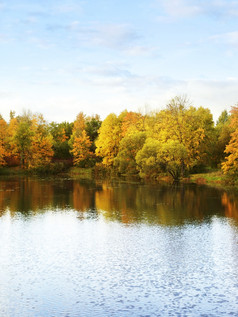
62, 57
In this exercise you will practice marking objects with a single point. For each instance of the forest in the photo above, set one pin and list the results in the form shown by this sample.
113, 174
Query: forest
178, 140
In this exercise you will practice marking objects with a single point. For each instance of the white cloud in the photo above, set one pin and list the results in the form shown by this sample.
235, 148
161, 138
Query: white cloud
105, 94
230, 38
116, 36
68, 7
180, 8
189, 8
137, 50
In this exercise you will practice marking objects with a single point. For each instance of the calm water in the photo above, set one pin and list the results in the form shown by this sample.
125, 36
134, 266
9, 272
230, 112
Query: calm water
74, 248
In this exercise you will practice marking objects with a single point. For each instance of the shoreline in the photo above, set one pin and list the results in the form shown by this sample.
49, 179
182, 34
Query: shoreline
213, 179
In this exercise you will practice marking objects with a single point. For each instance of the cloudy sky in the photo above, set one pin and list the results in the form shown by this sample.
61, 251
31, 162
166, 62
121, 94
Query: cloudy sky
102, 56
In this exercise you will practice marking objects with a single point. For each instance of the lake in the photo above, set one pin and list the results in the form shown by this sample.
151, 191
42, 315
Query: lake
98, 248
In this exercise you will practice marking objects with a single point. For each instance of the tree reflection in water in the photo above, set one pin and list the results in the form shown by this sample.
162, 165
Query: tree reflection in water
118, 201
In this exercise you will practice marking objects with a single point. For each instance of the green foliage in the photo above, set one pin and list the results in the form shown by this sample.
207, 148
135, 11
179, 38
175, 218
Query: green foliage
93, 124
50, 169
223, 132
174, 141
23, 138
125, 160
61, 133
171, 156
156, 157
147, 160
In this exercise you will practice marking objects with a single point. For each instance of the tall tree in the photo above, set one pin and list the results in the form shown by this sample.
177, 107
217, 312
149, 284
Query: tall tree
129, 146
189, 126
93, 124
13, 157
61, 133
80, 142
147, 158
223, 131
41, 143
23, 138
230, 166
3, 141
31, 139
109, 139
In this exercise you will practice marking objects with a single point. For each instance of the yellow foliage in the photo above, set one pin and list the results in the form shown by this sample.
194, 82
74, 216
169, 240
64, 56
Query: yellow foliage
81, 148
80, 141
109, 139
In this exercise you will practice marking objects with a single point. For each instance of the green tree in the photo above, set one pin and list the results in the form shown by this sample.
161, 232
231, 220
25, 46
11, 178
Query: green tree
147, 158
61, 133
23, 138
223, 135
125, 160
170, 156
191, 127
92, 127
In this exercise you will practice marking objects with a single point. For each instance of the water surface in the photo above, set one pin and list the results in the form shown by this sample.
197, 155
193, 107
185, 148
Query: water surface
81, 248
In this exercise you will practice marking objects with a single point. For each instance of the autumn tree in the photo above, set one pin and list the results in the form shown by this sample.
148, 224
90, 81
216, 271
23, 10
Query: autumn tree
223, 131
3, 141
13, 157
191, 127
132, 122
30, 137
156, 157
147, 158
41, 143
93, 124
230, 166
23, 138
125, 160
107, 144
61, 133
80, 142
170, 156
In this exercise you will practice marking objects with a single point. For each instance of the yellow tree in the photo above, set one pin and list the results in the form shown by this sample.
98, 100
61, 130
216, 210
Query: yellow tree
41, 143
12, 150
107, 144
80, 142
81, 149
132, 122
22, 138
230, 166
3, 141
191, 127
30, 140
223, 132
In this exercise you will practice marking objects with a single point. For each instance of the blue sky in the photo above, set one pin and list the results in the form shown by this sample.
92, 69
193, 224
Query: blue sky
102, 56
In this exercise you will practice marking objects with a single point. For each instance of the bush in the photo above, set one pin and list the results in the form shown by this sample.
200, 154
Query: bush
50, 169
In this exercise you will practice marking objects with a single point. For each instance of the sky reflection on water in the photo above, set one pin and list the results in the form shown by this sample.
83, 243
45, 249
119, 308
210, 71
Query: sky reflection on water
86, 249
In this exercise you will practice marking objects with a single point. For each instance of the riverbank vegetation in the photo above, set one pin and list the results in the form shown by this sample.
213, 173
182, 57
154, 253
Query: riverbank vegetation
178, 140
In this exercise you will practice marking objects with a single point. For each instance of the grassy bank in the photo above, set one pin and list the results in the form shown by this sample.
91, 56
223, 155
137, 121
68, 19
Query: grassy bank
86, 173
50, 169
216, 179
11, 171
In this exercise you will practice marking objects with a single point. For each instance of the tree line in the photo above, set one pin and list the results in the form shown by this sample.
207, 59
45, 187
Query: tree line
177, 140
